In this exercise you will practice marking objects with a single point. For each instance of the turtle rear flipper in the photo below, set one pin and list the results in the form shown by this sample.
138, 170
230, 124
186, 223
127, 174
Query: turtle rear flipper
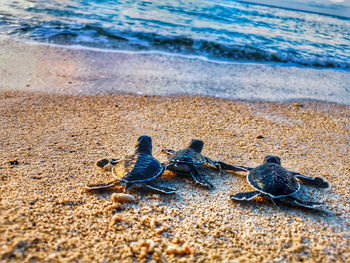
162, 189
214, 163
199, 178
230, 167
101, 186
295, 201
319, 182
245, 196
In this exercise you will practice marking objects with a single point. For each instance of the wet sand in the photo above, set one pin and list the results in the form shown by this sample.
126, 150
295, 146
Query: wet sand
49, 144
82, 71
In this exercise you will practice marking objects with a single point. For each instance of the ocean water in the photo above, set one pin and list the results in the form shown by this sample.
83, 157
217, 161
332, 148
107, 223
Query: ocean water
219, 30
316, 38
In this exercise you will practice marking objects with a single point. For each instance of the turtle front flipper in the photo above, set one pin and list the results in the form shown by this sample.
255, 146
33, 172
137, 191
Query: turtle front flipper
107, 164
115, 161
168, 151
102, 186
245, 196
319, 182
198, 178
162, 189
230, 167
103, 164
297, 202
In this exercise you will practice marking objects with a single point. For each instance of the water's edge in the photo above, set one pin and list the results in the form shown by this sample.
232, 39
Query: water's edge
77, 70
219, 30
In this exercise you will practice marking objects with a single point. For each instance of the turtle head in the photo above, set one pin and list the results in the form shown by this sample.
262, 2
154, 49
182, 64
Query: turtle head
144, 144
196, 145
272, 159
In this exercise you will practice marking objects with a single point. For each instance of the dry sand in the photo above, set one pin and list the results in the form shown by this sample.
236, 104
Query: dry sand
49, 144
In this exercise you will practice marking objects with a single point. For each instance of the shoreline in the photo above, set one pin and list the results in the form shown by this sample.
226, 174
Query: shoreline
55, 139
89, 72
168, 54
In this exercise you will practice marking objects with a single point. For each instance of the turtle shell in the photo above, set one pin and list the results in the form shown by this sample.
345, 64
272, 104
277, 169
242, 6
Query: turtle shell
137, 168
273, 180
185, 157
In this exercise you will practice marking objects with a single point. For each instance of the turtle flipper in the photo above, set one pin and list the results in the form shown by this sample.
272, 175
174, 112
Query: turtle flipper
230, 167
101, 186
107, 164
115, 161
103, 164
214, 163
162, 189
294, 201
245, 196
319, 182
199, 179
168, 151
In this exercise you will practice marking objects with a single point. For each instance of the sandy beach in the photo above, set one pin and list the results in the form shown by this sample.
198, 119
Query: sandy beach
49, 143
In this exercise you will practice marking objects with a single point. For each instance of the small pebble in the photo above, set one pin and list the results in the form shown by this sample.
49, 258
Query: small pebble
114, 206
177, 250
123, 198
33, 202
298, 105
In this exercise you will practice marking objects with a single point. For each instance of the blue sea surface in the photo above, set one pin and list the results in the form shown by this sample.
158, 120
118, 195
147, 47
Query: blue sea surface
223, 30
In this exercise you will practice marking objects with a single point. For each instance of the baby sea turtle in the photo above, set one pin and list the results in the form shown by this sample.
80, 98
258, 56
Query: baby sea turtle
186, 161
275, 183
138, 169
